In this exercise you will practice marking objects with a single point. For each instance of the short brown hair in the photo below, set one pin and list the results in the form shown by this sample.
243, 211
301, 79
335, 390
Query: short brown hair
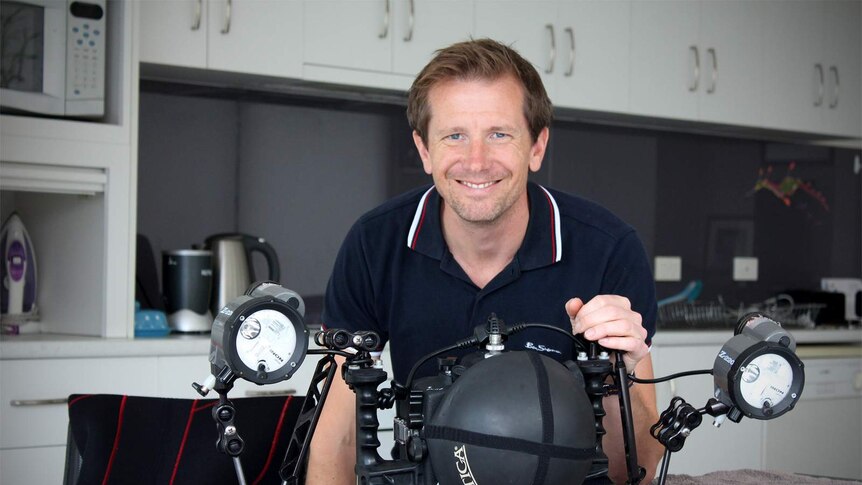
484, 59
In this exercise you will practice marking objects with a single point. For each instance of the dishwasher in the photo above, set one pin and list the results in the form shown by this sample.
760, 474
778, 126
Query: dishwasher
824, 431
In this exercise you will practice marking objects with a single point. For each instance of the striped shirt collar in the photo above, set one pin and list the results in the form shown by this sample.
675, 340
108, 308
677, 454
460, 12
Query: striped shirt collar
541, 246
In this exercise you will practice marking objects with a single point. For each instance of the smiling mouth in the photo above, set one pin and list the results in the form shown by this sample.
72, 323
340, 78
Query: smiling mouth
473, 185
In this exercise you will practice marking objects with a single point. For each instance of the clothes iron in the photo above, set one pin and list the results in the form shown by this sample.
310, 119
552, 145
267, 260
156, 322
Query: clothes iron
18, 274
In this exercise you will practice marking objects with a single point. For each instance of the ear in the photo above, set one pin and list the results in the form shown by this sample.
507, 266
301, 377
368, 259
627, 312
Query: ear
423, 152
537, 151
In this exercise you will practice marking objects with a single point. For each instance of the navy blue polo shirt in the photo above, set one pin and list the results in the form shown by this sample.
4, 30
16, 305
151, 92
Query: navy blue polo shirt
395, 275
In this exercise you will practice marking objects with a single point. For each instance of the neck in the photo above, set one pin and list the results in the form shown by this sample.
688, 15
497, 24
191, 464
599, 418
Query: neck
484, 249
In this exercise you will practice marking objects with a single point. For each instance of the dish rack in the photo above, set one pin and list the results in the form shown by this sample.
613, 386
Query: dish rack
781, 308
695, 315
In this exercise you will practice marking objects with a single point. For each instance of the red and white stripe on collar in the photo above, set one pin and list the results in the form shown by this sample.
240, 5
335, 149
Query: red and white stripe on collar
418, 219
556, 237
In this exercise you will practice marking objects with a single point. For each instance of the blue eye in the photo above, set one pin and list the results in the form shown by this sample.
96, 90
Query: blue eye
455, 136
497, 135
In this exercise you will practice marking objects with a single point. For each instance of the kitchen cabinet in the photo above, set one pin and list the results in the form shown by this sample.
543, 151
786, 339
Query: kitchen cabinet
697, 61
737, 444
664, 57
251, 36
593, 52
530, 28
730, 50
73, 183
579, 48
842, 58
34, 414
812, 69
383, 43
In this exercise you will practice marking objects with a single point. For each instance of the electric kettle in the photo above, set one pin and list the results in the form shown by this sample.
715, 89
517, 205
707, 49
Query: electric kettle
233, 270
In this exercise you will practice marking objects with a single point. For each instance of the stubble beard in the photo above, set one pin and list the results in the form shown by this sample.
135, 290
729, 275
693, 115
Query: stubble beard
481, 213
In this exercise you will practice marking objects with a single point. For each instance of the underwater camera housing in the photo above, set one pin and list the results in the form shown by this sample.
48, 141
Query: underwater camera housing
492, 416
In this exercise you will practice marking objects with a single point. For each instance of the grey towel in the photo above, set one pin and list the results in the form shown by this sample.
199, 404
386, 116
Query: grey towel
754, 477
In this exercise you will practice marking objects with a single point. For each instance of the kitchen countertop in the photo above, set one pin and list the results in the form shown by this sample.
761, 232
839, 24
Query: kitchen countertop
40, 346
37, 346
831, 335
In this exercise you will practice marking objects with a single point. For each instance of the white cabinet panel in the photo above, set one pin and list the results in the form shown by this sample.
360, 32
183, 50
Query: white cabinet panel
251, 36
529, 27
423, 26
349, 33
843, 58
821, 421
730, 63
46, 424
593, 52
174, 32
29, 466
665, 56
738, 444
256, 36
176, 374
793, 74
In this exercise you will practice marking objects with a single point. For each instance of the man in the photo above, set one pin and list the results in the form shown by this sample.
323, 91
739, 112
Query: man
425, 268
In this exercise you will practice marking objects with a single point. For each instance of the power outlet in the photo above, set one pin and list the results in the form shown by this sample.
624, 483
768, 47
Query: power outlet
668, 268
744, 269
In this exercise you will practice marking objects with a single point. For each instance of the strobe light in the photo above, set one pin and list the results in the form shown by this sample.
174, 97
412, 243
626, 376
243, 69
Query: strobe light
260, 337
757, 372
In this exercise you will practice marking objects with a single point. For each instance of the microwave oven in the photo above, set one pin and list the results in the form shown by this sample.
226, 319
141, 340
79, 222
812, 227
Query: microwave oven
53, 57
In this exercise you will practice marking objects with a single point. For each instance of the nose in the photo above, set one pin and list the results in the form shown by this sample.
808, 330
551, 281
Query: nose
477, 155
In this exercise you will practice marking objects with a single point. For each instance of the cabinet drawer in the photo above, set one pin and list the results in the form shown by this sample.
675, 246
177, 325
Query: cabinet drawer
28, 466
176, 374
29, 382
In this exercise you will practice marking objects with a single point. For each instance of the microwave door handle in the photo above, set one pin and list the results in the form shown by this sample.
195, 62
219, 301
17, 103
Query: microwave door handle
227, 12
198, 12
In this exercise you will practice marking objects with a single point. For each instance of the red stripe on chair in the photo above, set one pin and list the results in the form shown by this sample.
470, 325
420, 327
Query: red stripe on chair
274, 441
73, 401
116, 440
195, 408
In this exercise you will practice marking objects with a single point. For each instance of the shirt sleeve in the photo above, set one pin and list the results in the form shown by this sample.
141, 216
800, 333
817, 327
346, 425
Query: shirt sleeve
349, 298
629, 274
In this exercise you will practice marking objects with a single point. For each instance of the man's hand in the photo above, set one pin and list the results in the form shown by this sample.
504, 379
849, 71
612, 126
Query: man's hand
610, 321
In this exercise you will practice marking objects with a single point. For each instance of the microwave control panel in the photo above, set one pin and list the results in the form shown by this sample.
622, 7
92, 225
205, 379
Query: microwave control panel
85, 30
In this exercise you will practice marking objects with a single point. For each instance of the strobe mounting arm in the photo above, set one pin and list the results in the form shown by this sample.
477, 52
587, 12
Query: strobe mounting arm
677, 422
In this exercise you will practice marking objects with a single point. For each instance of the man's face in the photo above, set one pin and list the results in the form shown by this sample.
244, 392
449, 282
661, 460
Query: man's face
479, 148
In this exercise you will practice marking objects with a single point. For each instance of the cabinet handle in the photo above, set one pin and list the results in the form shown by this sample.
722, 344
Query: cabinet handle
834, 103
571, 68
227, 9
37, 402
819, 68
411, 20
696, 80
714, 77
386, 13
276, 392
550, 29
198, 11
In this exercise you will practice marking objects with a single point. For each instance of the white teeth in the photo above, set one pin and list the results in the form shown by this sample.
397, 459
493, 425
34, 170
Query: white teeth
478, 186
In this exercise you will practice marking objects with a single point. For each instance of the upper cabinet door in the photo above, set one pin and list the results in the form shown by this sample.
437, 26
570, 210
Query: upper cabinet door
353, 34
174, 32
423, 26
256, 36
731, 53
843, 62
666, 60
529, 27
794, 75
593, 54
